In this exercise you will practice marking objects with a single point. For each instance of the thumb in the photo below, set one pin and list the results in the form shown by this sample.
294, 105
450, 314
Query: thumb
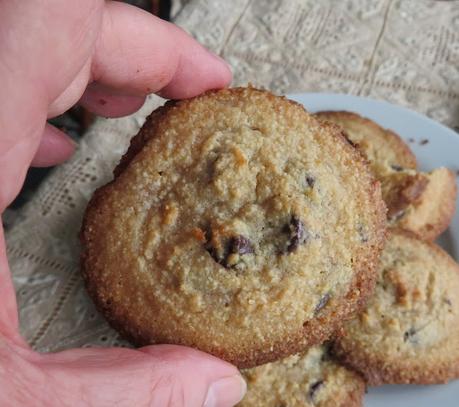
156, 376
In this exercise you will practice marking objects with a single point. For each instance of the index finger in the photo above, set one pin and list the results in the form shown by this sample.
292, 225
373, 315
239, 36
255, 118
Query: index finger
143, 54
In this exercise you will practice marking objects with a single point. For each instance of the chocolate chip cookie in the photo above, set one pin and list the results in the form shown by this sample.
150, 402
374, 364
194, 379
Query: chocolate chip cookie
310, 379
382, 147
237, 224
423, 203
409, 332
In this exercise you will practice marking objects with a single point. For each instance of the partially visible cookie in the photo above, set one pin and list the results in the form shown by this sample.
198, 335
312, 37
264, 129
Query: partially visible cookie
423, 203
409, 332
237, 224
310, 379
382, 147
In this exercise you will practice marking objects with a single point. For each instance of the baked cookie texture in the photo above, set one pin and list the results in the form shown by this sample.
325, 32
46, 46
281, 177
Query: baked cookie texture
382, 147
423, 203
237, 224
310, 379
409, 332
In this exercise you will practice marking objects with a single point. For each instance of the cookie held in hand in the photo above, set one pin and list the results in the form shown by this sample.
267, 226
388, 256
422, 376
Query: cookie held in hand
237, 224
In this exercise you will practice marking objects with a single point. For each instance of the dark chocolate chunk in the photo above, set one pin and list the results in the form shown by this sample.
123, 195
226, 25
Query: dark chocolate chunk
314, 388
241, 245
221, 251
397, 168
310, 180
409, 335
298, 234
322, 303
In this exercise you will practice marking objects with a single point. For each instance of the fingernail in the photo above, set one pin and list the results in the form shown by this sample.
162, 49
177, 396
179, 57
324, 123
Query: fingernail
226, 392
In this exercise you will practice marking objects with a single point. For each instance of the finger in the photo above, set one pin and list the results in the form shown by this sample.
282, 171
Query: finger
72, 93
55, 147
142, 54
155, 376
107, 102
220, 383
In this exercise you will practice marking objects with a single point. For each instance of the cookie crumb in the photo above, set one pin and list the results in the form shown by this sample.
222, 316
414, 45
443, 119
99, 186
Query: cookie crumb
423, 142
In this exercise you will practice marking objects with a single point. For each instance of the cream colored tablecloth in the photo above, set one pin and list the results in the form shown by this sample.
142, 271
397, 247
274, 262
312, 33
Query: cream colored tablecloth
402, 51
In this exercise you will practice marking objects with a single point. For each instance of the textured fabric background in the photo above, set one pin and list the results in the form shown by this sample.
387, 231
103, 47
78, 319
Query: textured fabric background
402, 51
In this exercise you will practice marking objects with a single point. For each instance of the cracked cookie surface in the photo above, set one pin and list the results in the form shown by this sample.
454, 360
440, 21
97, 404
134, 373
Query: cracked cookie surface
423, 203
310, 379
409, 332
237, 224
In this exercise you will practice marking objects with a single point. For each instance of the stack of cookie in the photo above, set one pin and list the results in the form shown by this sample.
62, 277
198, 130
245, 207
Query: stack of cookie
408, 332
239, 224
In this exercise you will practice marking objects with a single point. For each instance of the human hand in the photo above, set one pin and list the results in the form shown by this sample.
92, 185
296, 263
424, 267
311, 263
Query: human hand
108, 56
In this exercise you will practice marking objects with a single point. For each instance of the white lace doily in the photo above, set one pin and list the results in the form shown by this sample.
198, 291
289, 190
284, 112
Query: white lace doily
403, 51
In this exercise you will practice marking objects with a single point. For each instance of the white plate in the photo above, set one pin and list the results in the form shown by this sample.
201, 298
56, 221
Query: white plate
442, 149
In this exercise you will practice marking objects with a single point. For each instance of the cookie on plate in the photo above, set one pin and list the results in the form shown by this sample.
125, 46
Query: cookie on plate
310, 379
237, 224
382, 147
423, 203
409, 332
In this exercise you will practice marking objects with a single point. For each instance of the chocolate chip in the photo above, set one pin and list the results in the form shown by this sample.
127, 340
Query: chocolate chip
396, 167
241, 245
310, 181
447, 301
423, 142
221, 250
314, 388
409, 335
298, 234
322, 303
